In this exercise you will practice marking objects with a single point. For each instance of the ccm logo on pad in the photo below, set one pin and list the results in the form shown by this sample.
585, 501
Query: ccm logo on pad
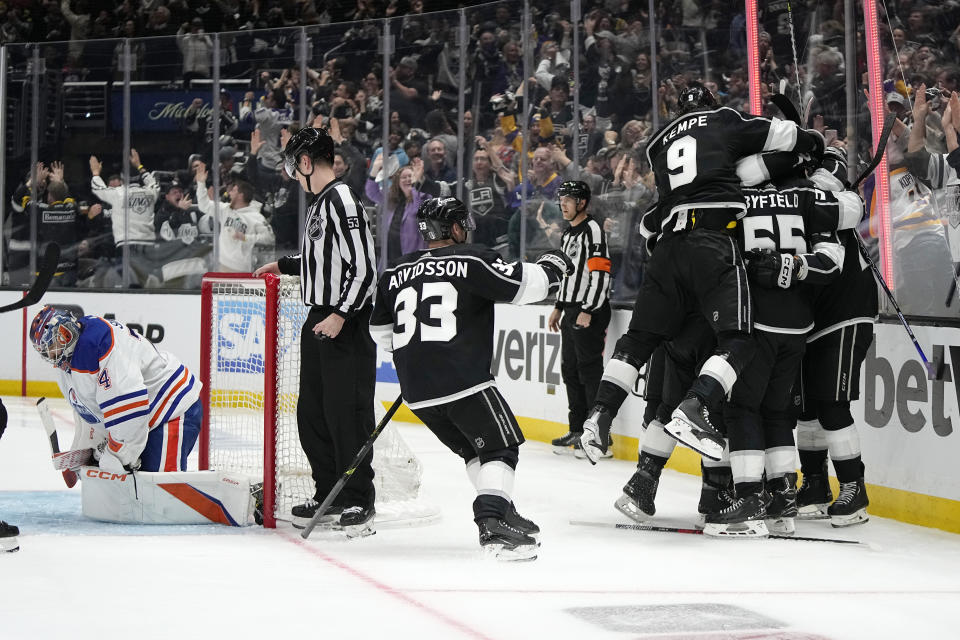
106, 475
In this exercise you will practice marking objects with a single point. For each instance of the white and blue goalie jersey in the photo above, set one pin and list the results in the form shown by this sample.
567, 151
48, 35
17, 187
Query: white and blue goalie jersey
120, 381
434, 311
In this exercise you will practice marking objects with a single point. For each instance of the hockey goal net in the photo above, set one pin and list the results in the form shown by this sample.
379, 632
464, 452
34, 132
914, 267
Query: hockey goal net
250, 368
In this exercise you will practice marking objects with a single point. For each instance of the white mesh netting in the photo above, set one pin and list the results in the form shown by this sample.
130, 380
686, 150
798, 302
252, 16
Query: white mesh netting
236, 383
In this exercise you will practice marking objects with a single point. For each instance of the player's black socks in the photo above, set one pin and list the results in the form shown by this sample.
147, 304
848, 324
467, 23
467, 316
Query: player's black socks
812, 461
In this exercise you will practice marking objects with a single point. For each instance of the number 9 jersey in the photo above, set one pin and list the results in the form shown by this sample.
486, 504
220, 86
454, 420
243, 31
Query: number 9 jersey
435, 312
694, 158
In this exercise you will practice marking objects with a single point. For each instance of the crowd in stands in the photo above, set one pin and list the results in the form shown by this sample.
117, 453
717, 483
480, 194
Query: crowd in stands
167, 225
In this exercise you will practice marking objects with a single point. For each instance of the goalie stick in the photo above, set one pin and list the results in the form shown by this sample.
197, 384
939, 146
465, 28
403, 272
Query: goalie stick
69, 476
699, 532
51, 258
364, 450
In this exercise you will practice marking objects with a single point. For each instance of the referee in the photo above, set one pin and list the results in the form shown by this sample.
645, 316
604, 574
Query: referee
337, 269
584, 306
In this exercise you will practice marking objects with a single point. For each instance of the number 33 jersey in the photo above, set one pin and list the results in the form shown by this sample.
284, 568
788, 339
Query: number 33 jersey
435, 310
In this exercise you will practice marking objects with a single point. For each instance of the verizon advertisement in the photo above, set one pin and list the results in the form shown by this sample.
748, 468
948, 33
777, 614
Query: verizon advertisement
908, 424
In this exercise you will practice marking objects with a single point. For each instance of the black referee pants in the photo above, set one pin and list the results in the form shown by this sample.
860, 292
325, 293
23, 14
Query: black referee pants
581, 361
335, 410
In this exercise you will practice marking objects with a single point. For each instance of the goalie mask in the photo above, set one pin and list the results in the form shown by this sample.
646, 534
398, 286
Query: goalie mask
309, 141
436, 216
695, 98
54, 334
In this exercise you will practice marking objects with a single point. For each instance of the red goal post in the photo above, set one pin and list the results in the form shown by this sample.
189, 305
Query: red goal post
249, 366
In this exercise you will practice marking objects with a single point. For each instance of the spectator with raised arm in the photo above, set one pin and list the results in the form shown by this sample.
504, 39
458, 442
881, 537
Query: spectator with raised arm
400, 216
132, 218
197, 50
242, 226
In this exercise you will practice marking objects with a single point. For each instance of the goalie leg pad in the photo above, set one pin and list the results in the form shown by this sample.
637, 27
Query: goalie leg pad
182, 497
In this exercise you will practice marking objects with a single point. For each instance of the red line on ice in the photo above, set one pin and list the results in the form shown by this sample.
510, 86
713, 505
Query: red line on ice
387, 589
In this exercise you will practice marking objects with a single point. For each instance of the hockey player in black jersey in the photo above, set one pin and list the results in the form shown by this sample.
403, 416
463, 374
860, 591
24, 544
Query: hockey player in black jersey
790, 237
434, 311
696, 265
844, 313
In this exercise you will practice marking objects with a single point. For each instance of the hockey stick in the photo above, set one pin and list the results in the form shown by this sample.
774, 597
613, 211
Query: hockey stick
51, 258
787, 108
68, 475
935, 368
364, 450
888, 124
699, 532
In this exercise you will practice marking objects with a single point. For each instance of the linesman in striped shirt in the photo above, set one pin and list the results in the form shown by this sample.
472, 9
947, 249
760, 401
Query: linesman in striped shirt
582, 312
337, 269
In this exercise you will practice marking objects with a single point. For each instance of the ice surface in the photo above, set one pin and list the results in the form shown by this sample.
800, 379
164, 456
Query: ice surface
82, 579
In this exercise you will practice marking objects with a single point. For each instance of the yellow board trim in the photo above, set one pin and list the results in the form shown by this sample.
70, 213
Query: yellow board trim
885, 502
897, 504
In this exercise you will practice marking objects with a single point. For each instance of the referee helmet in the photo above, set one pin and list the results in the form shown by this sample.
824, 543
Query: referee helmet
309, 141
575, 189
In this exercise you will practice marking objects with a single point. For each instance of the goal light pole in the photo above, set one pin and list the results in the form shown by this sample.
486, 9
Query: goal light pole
753, 59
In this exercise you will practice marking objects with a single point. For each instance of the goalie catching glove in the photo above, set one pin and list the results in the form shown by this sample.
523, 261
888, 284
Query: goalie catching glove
596, 433
772, 270
556, 262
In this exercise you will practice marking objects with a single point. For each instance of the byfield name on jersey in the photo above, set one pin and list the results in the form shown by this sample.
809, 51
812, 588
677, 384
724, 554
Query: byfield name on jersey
685, 125
773, 199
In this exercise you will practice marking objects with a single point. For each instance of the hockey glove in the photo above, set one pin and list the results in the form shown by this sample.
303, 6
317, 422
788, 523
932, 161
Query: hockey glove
819, 144
596, 433
557, 262
772, 270
835, 163
503, 104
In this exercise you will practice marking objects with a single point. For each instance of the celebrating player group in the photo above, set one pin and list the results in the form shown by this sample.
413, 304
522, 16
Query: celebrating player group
755, 312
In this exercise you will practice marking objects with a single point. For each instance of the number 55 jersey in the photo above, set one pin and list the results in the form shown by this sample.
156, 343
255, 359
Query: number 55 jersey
435, 312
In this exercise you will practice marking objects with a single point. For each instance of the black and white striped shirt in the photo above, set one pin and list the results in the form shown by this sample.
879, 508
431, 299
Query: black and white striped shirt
589, 285
337, 262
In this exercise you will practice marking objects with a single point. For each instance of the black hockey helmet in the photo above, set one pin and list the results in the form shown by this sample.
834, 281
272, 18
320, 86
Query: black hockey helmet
575, 189
436, 216
309, 141
694, 98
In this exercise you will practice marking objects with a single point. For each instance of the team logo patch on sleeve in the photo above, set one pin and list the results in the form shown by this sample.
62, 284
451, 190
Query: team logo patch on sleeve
315, 227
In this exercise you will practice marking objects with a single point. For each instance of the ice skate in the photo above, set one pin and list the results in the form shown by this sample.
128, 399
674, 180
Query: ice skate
744, 518
8, 538
814, 496
256, 495
501, 541
691, 425
716, 492
303, 513
357, 521
567, 444
637, 501
783, 504
850, 507
517, 521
